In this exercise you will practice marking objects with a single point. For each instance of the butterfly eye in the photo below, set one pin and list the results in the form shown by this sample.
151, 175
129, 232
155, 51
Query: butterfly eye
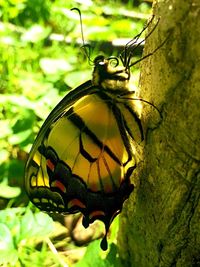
99, 60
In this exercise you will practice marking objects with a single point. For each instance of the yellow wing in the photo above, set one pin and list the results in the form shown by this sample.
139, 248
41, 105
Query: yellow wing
82, 158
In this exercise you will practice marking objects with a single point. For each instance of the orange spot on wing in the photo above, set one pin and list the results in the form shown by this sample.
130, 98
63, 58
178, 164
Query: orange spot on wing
76, 202
50, 165
59, 185
96, 213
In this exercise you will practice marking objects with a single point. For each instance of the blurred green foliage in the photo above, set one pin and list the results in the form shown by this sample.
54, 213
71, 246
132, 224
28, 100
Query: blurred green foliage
25, 239
41, 60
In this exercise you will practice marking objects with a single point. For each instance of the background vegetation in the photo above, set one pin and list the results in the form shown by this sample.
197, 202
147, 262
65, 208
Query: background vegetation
41, 59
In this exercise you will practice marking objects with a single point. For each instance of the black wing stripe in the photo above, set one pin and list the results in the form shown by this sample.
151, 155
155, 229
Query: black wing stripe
99, 175
121, 124
84, 152
138, 121
119, 115
109, 172
79, 123
59, 110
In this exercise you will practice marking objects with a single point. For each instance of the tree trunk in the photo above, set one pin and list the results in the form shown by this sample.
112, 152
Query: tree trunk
160, 224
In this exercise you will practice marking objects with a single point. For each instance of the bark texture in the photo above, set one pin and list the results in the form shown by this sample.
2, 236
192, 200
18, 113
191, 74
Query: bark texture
160, 224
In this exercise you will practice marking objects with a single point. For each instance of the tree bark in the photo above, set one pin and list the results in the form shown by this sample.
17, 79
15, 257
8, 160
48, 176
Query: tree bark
160, 223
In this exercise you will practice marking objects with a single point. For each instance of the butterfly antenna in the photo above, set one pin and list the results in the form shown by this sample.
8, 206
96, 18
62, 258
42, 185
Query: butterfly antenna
124, 55
86, 47
150, 54
149, 34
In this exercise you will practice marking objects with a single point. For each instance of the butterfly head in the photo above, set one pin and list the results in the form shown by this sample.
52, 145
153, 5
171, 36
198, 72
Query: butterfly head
109, 73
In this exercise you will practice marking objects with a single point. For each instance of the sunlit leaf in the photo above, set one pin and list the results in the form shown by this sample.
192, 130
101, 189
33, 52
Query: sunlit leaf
52, 66
35, 34
8, 253
6, 241
7, 191
92, 257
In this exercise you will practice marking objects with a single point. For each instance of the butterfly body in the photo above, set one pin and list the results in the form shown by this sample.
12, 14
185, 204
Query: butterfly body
83, 156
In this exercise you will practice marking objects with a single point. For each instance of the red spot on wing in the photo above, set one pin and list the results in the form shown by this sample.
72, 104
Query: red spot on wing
58, 185
76, 202
96, 213
50, 165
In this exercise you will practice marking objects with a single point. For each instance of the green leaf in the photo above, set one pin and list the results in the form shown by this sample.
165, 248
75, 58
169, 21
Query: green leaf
75, 78
35, 34
22, 126
112, 259
10, 217
44, 223
8, 253
12, 172
27, 225
55, 65
7, 191
6, 240
4, 155
5, 128
14, 101
92, 256
35, 225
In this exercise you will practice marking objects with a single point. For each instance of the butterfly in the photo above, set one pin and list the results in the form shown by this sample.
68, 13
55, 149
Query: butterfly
84, 154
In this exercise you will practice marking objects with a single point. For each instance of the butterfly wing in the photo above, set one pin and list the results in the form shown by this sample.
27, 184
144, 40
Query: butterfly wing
36, 176
81, 159
83, 156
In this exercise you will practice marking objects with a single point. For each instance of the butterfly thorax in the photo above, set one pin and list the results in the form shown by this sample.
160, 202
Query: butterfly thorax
109, 75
